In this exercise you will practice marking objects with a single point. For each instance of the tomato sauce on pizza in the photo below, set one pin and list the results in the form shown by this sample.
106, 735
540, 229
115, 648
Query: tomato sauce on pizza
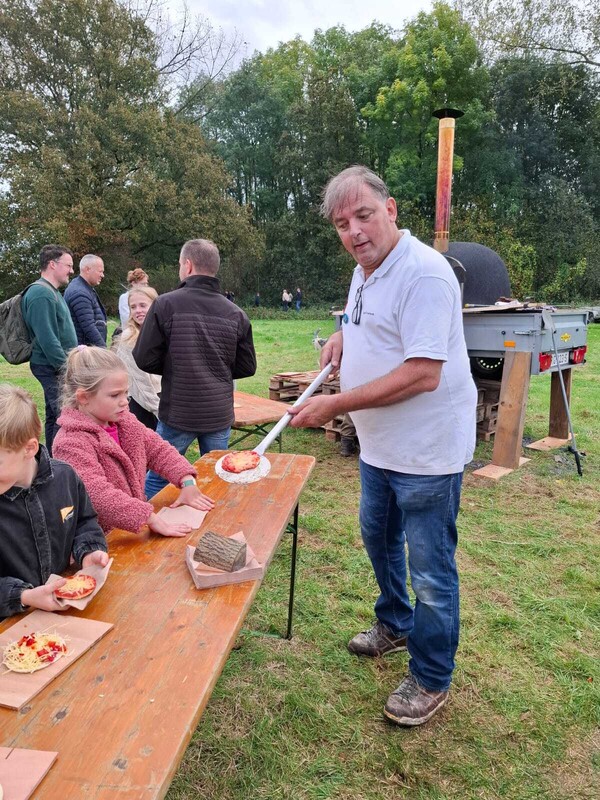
240, 461
76, 587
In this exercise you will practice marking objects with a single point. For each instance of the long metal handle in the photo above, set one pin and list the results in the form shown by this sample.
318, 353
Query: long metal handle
284, 421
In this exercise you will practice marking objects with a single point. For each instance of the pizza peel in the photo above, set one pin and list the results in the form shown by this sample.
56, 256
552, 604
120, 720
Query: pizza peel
264, 465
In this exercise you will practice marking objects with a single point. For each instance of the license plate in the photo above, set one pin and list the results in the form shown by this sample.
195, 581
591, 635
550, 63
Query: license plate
563, 358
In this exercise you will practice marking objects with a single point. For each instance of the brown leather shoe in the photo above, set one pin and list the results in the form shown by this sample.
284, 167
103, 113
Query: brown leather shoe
377, 641
412, 704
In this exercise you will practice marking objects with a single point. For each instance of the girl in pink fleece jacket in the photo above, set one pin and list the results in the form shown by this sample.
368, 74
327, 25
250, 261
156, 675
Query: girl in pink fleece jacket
112, 451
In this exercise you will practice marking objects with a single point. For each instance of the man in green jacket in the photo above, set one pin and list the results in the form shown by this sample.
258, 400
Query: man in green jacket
51, 328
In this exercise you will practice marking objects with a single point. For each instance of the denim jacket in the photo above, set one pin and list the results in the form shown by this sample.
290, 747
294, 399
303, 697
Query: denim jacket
41, 528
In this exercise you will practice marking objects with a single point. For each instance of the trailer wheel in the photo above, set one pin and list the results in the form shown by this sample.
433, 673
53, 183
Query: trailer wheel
490, 368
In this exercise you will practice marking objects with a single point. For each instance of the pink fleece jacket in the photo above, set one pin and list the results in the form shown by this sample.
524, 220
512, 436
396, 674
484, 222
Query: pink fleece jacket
114, 476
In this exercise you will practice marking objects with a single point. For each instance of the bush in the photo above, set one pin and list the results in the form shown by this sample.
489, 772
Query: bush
319, 312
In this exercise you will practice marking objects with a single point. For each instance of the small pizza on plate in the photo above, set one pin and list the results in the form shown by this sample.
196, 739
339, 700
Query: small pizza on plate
77, 587
240, 461
33, 651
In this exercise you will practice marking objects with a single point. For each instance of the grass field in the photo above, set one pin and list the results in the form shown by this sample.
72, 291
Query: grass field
302, 719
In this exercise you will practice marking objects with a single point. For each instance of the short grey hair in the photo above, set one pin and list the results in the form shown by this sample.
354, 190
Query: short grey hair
345, 187
88, 261
204, 256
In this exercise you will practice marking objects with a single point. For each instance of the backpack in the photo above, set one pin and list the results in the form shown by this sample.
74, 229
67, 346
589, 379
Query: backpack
15, 340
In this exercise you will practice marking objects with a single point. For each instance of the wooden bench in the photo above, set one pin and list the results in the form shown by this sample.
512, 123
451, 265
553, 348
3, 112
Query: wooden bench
254, 416
122, 715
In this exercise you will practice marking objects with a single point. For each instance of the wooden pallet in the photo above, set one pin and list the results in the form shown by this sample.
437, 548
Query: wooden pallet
333, 429
488, 404
288, 386
331, 387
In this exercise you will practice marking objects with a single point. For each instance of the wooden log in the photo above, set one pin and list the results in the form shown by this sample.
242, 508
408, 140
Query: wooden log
559, 421
220, 552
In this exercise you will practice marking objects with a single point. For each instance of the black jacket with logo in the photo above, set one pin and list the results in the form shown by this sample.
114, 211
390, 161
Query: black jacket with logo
200, 342
41, 527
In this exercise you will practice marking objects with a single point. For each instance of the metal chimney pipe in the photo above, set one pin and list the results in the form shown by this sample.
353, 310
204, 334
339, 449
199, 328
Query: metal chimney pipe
443, 192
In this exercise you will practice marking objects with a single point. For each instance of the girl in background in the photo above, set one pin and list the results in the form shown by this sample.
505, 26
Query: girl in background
135, 277
143, 387
112, 451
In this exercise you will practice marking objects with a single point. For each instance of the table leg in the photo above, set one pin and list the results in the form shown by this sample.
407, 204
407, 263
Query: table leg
293, 528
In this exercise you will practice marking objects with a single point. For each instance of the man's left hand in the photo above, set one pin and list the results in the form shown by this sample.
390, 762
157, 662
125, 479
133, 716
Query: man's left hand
192, 496
316, 411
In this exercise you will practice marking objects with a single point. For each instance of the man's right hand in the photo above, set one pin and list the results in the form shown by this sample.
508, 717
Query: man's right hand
43, 596
332, 351
158, 525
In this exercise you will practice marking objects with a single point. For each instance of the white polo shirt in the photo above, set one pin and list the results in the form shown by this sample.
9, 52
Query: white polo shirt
411, 308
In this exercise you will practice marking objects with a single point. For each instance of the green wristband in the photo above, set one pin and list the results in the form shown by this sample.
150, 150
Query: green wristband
187, 482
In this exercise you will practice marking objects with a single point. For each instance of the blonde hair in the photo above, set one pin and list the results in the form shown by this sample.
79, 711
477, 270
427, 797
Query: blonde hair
132, 329
86, 368
19, 419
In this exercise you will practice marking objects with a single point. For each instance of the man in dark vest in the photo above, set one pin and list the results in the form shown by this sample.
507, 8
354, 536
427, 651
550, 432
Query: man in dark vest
87, 312
200, 343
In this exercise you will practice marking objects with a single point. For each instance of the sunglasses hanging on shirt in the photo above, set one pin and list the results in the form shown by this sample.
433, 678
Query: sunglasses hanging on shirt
357, 310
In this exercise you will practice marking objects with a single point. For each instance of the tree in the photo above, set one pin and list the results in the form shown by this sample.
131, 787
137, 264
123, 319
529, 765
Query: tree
568, 29
438, 65
92, 155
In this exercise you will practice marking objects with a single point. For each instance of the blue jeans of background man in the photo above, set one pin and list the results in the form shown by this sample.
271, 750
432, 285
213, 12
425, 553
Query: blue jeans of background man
48, 377
181, 440
419, 511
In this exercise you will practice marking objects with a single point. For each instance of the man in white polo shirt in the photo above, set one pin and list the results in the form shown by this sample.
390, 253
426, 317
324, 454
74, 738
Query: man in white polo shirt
406, 382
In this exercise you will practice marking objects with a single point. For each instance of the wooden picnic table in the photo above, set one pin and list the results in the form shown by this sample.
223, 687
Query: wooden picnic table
122, 715
254, 416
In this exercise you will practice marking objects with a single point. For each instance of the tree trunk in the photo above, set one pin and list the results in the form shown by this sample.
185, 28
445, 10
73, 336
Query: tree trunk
221, 552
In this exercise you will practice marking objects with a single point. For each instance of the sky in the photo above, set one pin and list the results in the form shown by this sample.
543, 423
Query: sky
266, 23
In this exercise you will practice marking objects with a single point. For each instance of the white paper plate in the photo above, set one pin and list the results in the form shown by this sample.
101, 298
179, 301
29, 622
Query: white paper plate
249, 476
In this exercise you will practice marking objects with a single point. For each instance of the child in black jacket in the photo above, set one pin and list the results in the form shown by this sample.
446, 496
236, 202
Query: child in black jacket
46, 517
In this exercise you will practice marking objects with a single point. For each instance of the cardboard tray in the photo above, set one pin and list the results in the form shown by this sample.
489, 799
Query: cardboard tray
206, 577
21, 771
18, 688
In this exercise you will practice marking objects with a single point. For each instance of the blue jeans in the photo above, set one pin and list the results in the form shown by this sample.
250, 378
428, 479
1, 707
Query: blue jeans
420, 511
181, 440
48, 377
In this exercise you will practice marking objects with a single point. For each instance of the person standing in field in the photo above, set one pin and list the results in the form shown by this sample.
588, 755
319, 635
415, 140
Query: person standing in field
406, 381
87, 312
135, 277
51, 328
200, 343
144, 388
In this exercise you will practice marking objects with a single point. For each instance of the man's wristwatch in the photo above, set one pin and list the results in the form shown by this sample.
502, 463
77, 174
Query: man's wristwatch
187, 482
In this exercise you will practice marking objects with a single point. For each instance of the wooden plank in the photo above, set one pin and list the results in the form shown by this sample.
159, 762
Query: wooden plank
559, 421
494, 472
511, 414
547, 443
125, 712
